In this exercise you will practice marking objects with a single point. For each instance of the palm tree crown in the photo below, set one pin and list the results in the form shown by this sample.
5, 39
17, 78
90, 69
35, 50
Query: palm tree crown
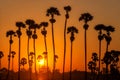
67, 9
72, 30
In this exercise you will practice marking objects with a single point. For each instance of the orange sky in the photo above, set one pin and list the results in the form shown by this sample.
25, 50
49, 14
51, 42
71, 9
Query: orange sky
104, 11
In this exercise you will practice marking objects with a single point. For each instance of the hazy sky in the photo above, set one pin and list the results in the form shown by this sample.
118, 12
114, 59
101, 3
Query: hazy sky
104, 11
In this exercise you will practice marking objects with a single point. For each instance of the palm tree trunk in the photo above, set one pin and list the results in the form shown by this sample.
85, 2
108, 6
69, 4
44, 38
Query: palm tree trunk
53, 50
107, 48
85, 56
64, 48
35, 58
19, 58
71, 63
12, 67
28, 54
99, 55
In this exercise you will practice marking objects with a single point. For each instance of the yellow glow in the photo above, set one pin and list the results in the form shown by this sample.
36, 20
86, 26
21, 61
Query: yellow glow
41, 62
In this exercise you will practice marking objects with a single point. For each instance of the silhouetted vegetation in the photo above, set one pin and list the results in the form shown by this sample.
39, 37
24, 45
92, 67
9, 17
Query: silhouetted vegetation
110, 59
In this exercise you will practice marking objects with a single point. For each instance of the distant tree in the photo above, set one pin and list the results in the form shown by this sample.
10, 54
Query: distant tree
72, 30
86, 17
39, 58
67, 10
1, 56
9, 34
23, 61
19, 25
100, 28
52, 11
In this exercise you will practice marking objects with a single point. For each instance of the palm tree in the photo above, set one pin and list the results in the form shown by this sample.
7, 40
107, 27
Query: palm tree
72, 30
29, 22
86, 17
31, 57
23, 61
108, 38
44, 33
34, 36
19, 33
1, 56
52, 11
13, 54
67, 10
100, 28
9, 34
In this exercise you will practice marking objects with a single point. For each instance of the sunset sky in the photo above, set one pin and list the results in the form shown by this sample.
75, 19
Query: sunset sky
104, 11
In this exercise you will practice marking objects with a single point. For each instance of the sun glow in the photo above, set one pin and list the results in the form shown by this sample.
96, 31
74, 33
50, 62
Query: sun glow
41, 62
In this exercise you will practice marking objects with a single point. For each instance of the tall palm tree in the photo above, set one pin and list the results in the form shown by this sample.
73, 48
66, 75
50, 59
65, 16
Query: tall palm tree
9, 34
100, 28
108, 38
67, 10
52, 11
86, 17
72, 30
1, 56
44, 33
19, 25
23, 61
13, 54
29, 22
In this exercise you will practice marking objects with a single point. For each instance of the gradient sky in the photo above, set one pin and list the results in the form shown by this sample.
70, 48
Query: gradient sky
104, 11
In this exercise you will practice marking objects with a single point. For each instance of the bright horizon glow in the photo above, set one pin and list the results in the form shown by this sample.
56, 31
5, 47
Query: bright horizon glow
41, 62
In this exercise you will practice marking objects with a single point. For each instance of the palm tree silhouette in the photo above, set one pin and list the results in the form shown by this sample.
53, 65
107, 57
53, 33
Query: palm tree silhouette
19, 33
100, 28
13, 54
52, 11
29, 22
9, 34
86, 17
1, 56
34, 36
72, 30
108, 38
44, 33
23, 61
67, 10
31, 57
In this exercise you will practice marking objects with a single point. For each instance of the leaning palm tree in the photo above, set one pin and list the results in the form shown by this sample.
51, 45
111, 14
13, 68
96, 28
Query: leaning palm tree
108, 38
72, 30
44, 33
86, 17
19, 25
1, 56
52, 11
100, 28
67, 10
9, 34
29, 22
